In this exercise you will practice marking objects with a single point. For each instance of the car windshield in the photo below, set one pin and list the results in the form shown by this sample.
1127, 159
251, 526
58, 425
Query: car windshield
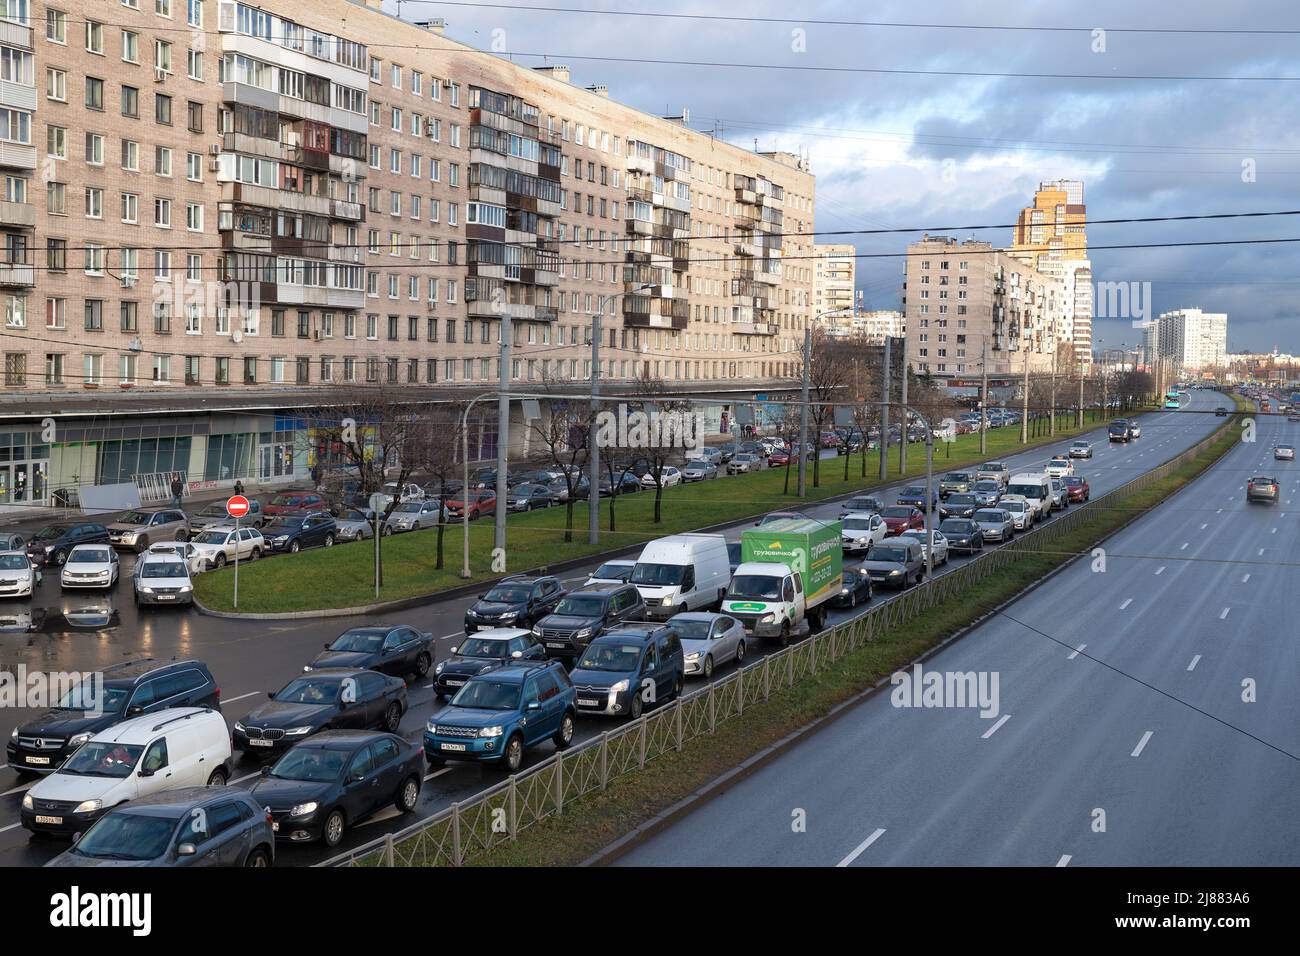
163, 569
613, 572
581, 606
310, 764
484, 647
956, 476
212, 537
888, 552
135, 517
896, 512
310, 690
102, 758
1080, 444
358, 641
611, 656
13, 562
1073, 481
863, 504
987, 484
778, 516
914, 491
993, 466
691, 630
993, 516
89, 556
408, 508
1061, 461
959, 526
353, 515
507, 595
91, 695
488, 695
127, 836
523, 491
657, 574
697, 463
1028, 491
857, 524
961, 499
213, 510
1285, 448
1014, 505
761, 586
283, 500
52, 533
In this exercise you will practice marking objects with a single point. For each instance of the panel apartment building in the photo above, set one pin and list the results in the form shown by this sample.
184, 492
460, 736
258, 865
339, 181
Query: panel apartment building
834, 273
967, 302
235, 208
1189, 339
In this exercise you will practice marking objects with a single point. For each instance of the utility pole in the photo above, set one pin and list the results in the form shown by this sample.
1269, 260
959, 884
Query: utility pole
1024, 418
984, 395
593, 451
803, 413
1051, 422
503, 434
884, 415
1079, 422
902, 401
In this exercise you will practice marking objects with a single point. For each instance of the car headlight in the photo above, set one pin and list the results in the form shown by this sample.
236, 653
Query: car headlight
842, 591
619, 687
27, 801
431, 727
767, 619
14, 734
537, 630
297, 731
585, 632
78, 740
304, 809
667, 602
509, 615
185, 587
693, 657
88, 806
239, 726
895, 572
129, 536
146, 590
281, 539
441, 665
496, 731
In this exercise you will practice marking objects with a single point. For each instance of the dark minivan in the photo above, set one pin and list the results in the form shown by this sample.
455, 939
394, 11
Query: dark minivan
631, 667
122, 690
581, 616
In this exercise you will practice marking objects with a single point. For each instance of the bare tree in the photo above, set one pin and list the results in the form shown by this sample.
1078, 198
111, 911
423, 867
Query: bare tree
563, 431
435, 449
829, 372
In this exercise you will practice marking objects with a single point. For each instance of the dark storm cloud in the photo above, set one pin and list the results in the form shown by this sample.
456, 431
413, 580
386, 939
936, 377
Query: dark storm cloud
880, 144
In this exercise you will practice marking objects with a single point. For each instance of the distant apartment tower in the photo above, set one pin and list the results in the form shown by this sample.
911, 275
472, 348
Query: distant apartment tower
1051, 236
1192, 339
960, 298
834, 274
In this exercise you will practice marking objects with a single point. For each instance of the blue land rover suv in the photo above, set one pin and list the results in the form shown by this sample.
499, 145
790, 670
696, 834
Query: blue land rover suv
497, 715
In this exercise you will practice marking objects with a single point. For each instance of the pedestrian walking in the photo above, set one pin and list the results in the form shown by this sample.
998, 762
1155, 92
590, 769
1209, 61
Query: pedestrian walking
239, 487
316, 475
178, 487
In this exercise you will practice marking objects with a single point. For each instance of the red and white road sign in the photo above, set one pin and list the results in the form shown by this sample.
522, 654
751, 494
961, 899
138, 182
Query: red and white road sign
237, 506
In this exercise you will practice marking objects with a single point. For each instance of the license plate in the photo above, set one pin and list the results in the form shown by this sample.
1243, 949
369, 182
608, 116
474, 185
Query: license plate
588, 702
484, 627
458, 748
39, 761
455, 683
167, 597
54, 821
554, 644
259, 743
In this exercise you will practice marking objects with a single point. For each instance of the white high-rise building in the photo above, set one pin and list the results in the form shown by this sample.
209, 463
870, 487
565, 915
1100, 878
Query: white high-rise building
1193, 339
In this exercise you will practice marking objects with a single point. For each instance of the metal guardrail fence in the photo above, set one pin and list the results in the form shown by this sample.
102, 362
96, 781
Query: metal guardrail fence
470, 828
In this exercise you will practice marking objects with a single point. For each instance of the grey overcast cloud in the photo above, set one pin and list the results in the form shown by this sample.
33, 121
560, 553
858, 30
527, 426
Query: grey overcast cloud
921, 150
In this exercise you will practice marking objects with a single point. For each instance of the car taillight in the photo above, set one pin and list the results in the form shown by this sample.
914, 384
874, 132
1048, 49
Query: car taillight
218, 693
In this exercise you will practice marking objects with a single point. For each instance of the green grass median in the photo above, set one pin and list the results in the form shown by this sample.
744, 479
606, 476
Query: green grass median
597, 819
343, 576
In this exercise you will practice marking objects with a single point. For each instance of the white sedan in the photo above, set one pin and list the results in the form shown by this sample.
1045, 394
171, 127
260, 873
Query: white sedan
940, 545
1284, 453
668, 477
1060, 467
217, 546
859, 530
90, 566
18, 576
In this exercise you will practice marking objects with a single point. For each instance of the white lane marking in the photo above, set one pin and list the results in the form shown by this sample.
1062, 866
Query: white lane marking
1160, 570
26, 786
1245, 577
1273, 531
1075, 653
861, 847
1204, 526
1137, 751
1192, 665
994, 729
231, 700
1219, 512
448, 637
1261, 552
438, 773
1127, 602
247, 776
1064, 860
12, 826
4, 766
1184, 547
1224, 613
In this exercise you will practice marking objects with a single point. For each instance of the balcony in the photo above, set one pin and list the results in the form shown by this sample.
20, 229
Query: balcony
18, 214
754, 328
17, 95
17, 155
342, 209
15, 34
17, 274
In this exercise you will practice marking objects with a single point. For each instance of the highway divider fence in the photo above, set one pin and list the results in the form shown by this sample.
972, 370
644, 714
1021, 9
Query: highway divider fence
471, 828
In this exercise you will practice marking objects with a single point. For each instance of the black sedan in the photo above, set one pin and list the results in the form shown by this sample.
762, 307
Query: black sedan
391, 649
963, 504
337, 779
963, 535
514, 602
337, 698
855, 589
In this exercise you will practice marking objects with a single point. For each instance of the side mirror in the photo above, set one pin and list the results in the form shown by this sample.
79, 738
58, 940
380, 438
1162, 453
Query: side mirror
534, 705
271, 694
145, 772
356, 777
133, 711
454, 648
326, 646
516, 654
266, 771
186, 849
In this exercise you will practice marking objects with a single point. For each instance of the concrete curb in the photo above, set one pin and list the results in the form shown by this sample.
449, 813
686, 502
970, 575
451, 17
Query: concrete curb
721, 784
421, 600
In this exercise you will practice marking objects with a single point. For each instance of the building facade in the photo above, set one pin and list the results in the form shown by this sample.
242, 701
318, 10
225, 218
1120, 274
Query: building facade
1193, 340
968, 304
873, 327
211, 197
834, 277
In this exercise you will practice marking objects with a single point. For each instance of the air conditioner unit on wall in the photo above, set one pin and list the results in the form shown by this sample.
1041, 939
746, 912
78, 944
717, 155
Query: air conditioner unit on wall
160, 74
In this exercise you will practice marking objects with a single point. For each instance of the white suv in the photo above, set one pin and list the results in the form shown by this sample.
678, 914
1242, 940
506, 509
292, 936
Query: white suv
179, 747
217, 546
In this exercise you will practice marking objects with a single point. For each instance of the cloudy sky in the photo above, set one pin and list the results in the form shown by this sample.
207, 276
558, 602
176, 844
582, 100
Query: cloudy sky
918, 151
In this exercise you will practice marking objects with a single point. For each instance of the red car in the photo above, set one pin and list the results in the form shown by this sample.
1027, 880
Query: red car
778, 458
290, 501
480, 503
900, 518
1076, 486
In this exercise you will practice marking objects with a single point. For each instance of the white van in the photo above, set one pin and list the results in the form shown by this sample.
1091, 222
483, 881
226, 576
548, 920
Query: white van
1036, 487
682, 572
178, 747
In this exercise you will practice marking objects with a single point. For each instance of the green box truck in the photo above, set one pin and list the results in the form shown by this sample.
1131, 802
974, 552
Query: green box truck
789, 572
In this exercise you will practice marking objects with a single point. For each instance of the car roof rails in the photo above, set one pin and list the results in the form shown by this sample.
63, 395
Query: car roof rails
190, 712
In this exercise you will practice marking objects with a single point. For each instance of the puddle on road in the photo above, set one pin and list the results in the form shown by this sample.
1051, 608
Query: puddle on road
68, 619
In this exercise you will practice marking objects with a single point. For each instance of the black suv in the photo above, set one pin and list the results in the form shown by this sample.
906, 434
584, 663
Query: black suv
192, 826
52, 543
514, 602
584, 615
483, 652
121, 691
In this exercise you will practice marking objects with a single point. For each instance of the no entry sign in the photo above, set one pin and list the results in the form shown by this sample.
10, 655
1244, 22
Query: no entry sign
237, 506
